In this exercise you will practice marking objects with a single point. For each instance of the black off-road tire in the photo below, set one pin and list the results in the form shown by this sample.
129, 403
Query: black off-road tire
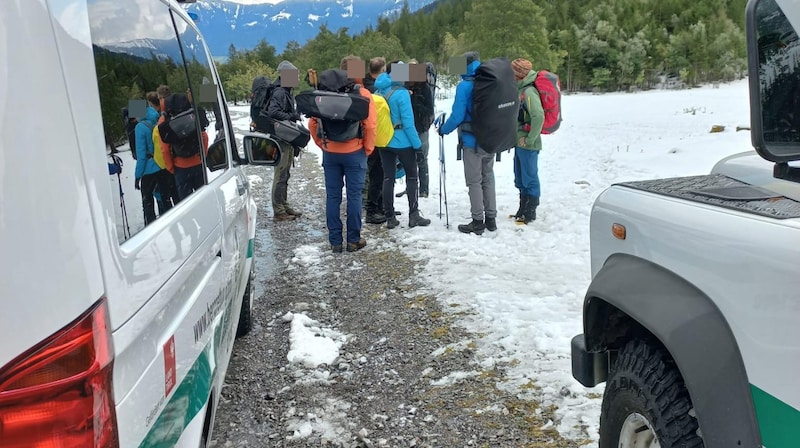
645, 380
245, 315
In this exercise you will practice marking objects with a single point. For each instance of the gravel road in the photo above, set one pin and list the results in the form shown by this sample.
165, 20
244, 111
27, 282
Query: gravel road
407, 375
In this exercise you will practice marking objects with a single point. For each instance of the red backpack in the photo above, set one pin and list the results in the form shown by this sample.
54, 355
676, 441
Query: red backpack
549, 87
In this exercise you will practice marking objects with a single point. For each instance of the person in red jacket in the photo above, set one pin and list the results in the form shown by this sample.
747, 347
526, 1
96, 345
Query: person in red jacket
345, 165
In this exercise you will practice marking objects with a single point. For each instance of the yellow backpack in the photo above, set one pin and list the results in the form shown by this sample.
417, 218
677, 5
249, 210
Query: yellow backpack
385, 128
158, 156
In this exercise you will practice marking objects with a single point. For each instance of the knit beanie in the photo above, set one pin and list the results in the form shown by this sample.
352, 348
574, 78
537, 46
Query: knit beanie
521, 68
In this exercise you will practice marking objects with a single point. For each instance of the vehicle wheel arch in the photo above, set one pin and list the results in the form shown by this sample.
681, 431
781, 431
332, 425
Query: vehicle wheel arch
621, 296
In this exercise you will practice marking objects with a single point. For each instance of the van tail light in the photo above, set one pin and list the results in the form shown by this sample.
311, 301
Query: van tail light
59, 393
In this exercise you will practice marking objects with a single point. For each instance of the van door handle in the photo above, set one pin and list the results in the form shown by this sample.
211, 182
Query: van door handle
240, 187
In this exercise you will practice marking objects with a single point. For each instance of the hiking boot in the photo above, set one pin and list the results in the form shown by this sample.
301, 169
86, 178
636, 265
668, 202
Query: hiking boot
476, 226
293, 212
423, 194
284, 217
375, 218
491, 224
391, 222
415, 219
529, 214
352, 247
337, 248
523, 199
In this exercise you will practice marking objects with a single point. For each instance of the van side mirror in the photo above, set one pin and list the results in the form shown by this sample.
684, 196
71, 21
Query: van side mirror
261, 149
216, 157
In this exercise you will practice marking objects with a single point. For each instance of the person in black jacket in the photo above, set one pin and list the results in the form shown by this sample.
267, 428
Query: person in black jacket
281, 107
422, 103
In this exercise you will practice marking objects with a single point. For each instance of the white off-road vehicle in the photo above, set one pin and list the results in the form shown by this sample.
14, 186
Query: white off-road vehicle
115, 329
693, 315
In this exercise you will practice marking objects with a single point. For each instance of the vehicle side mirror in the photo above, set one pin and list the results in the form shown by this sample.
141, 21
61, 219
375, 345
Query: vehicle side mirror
261, 149
216, 157
773, 48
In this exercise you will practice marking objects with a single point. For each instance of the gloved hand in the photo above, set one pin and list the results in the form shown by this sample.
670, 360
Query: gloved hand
296, 117
439, 131
419, 155
137, 183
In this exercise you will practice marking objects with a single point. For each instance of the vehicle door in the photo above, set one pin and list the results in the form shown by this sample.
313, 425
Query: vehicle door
226, 181
165, 276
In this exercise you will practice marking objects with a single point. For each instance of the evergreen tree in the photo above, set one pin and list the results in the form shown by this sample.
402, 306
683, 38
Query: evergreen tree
510, 28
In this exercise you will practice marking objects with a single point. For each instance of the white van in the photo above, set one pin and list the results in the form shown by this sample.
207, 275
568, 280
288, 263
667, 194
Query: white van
116, 327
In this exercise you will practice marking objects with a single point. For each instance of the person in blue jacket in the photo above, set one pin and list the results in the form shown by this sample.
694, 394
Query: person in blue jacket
478, 164
147, 170
404, 146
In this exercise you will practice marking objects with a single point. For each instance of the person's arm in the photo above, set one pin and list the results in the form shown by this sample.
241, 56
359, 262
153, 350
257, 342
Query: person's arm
459, 111
313, 127
535, 114
142, 140
277, 106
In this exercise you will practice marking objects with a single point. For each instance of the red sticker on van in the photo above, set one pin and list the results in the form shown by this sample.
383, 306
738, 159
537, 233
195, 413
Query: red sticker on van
170, 377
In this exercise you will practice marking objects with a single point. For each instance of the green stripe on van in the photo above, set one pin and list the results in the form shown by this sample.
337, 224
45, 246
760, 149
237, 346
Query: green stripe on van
251, 247
777, 420
187, 400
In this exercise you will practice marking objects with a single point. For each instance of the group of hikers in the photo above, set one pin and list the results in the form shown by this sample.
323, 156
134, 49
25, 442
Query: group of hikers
358, 156
168, 168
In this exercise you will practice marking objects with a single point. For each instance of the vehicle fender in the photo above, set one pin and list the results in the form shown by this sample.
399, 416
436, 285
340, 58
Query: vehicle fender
691, 327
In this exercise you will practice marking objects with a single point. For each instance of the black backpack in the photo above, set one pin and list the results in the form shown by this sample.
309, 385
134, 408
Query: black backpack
129, 123
262, 89
495, 106
179, 129
422, 106
338, 104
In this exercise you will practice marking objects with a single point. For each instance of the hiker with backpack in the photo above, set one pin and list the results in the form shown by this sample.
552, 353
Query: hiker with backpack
374, 183
422, 103
345, 145
280, 106
182, 153
526, 152
147, 177
404, 145
478, 164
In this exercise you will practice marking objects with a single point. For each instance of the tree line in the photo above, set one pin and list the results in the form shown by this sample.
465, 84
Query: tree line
594, 45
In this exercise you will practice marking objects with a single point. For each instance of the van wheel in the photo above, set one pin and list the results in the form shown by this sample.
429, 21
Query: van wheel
245, 316
646, 404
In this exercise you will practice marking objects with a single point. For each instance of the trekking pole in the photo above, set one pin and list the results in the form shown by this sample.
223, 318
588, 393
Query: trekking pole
126, 229
442, 174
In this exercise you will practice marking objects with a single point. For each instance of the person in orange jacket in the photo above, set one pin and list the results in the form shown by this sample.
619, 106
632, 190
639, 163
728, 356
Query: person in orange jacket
188, 171
345, 165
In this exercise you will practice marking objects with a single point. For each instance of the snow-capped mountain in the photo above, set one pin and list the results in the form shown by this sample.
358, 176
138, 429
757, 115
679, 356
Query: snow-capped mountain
225, 22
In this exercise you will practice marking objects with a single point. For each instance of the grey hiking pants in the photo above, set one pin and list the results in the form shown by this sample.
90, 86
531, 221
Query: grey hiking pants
280, 179
479, 174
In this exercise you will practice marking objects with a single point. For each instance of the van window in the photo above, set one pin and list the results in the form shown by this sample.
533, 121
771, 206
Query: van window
143, 80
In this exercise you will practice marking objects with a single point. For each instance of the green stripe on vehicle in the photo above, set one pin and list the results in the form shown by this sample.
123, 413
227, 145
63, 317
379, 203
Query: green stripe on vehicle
777, 420
251, 247
188, 399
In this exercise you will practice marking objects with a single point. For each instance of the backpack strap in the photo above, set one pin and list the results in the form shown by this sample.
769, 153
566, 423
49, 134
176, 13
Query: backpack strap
389, 95
146, 123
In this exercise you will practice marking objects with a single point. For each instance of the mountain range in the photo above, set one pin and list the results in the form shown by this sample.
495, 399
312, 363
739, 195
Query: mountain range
224, 22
